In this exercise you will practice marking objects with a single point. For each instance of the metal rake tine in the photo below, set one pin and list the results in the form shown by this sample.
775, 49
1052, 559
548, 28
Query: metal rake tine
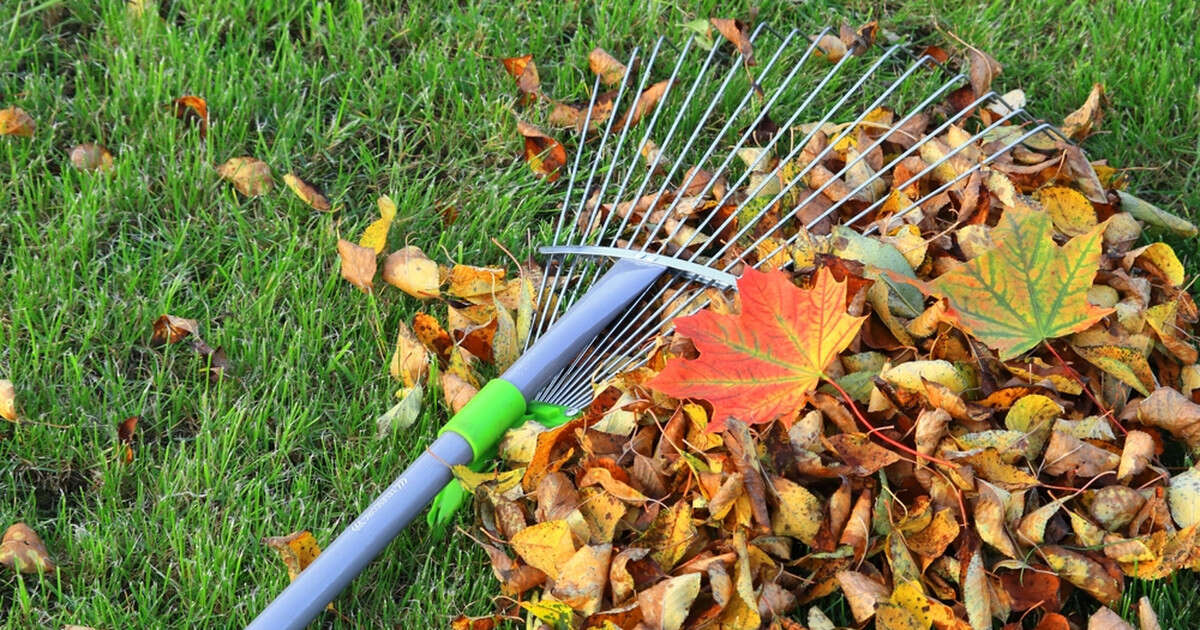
732, 153
880, 202
535, 324
749, 225
795, 150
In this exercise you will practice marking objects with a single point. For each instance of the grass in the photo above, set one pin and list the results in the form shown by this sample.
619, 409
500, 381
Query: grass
407, 100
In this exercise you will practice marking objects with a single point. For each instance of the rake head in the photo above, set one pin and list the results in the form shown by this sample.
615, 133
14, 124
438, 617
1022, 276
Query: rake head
717, 164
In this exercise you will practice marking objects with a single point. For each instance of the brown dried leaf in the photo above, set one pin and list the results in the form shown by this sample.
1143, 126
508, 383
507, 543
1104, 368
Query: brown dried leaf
91, 157
170, 329
23, 551
1168, 409
251, 176
307, 193
192, 109
984, 70
1080, 123
544, 154
738, 32
457, 391
610, 70
358, 264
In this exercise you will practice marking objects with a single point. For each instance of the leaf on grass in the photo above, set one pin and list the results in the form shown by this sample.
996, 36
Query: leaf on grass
192, 110
760, 364
475, 283
1026, 289
544, 154
250, 176
91, 157
171, 329
410, 361
1106, 619
412, 272
404, 413
524, 71
15, 122
984, 70
737, 32
8, 400
307, 193
1147, 618
606, 66
375, 236
644, 104
1152, 214
23, 551
125, 431
358, 264
1080, 123
297, 550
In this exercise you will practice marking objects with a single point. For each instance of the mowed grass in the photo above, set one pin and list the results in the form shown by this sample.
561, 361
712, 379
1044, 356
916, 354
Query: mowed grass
407, 100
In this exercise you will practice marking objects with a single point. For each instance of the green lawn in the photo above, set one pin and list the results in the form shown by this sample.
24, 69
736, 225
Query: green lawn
404, 99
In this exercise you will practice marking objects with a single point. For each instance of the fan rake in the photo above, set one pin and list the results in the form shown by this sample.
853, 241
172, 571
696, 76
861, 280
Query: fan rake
664, 205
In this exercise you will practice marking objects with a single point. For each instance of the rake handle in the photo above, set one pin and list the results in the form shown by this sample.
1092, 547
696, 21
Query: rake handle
469, 435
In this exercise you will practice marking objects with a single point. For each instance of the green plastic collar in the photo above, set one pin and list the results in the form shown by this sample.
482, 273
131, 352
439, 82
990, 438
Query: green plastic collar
483, 421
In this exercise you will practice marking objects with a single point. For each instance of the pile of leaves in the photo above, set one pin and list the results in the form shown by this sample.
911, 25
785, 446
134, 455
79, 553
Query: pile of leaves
960, 419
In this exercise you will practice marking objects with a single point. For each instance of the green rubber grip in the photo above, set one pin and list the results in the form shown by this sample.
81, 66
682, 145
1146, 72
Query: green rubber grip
483, 420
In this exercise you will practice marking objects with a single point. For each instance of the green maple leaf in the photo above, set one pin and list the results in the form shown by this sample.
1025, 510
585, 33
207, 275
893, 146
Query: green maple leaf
1026, 289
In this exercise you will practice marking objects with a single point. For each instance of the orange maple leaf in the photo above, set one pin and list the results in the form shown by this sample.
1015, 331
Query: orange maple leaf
761, 363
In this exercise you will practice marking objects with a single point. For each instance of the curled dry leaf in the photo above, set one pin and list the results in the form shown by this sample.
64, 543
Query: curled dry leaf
8, 400
193, 110
524, 71
91, 157
410, 361
606, 66
412, 272
544, 154
23, 551
984, 70
737, 32
251, 176
125, 431
1080, 123
171, 329
307, 193
15, 122
358, 264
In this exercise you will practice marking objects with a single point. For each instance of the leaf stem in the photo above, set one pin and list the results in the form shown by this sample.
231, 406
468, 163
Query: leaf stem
874, 431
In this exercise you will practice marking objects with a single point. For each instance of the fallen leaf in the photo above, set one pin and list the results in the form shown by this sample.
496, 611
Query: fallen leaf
583, 578
192, 109
1068, 454
297, 550
8, 400
1106, 619
799, 512
546, 546
1136, 454
1027, 289
171, 329
665, 606
1183, 497
307, 193
645, 103
23, 551
410, 361
544, 154
1070, 211
760, 364
457, 391
524, 71
15, 122
1147, 618
470, 282
1168, 409
358, 264
984, 69
1152, 214
1083, 572
125, 430
412, 272
251, 177
610, 70
404, 413
91, 157
862, 594
1080, 123
375, 236
737, 32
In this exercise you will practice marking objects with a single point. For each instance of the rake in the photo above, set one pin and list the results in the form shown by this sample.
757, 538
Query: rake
642, 238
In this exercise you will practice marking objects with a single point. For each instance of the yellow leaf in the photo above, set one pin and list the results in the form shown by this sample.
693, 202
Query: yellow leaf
799, 514
1071, 212
8, 400
297, 550
91, 157
307, 193
412, 272
1183, 497
666, 605
15, 122
555, 614
583, 578
545, 546
1158, 257
504, 480
375, 236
